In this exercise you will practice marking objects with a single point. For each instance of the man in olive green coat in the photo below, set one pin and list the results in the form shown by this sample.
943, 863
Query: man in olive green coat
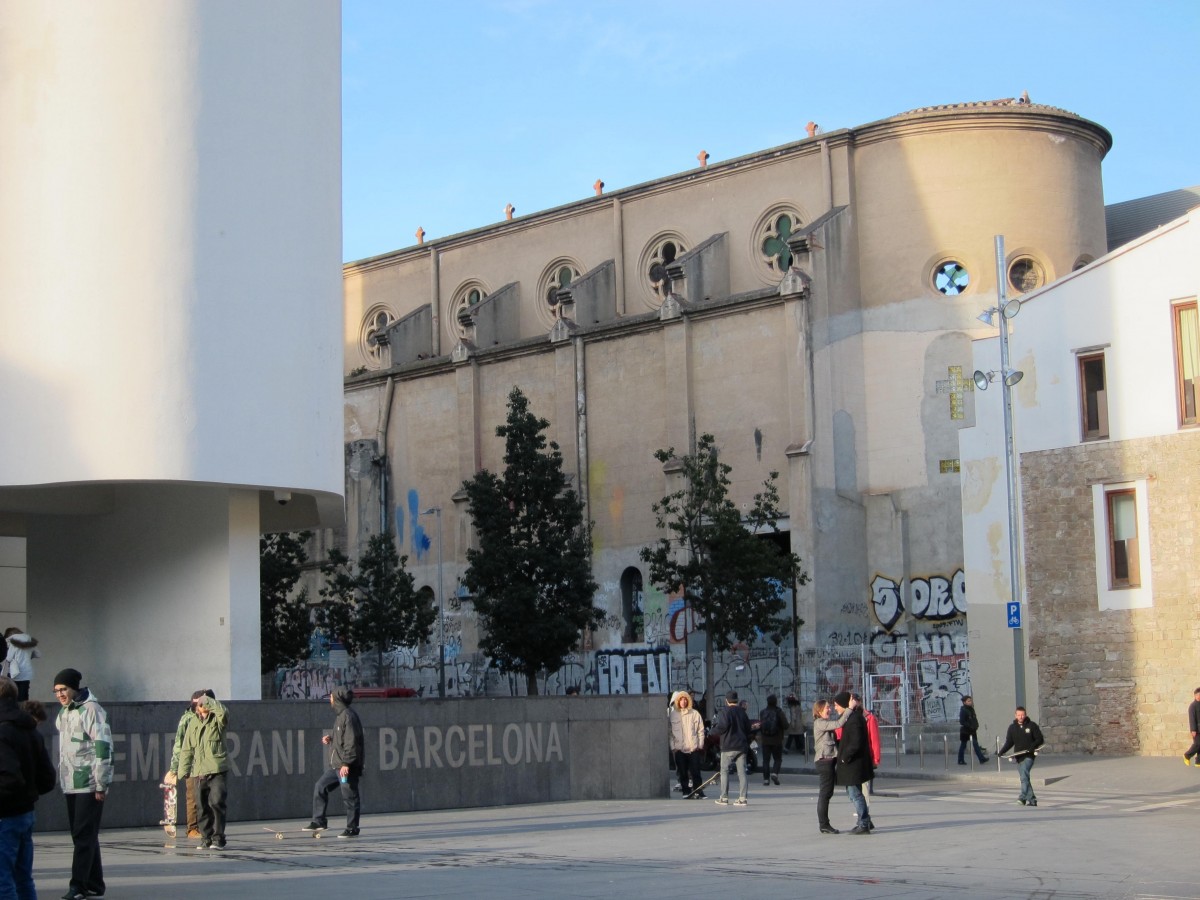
203, 757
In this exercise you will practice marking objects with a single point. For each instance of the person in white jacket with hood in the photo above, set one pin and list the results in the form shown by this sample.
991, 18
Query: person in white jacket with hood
687, 743
18, 664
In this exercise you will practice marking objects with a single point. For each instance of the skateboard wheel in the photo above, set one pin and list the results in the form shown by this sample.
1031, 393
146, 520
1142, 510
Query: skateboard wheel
279, 837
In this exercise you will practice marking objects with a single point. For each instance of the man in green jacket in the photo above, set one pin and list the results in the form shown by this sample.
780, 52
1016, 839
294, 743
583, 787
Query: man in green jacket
203, 757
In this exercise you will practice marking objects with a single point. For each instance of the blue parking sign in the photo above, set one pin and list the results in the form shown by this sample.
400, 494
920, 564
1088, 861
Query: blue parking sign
1014, 615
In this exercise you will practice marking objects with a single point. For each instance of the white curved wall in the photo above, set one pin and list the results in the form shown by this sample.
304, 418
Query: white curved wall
170, 242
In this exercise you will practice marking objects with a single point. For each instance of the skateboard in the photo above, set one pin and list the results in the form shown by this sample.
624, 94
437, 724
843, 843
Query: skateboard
279, 834
170, 812
1012, 756
702, 787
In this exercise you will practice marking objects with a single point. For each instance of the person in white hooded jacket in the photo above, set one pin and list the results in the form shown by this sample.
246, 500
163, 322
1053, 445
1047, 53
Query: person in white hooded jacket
18, 664
687, 742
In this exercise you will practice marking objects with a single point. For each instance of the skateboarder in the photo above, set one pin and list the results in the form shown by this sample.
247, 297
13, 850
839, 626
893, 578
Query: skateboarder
188, 718
1024, 737
345, 765
733, 725
85, 771
203, 756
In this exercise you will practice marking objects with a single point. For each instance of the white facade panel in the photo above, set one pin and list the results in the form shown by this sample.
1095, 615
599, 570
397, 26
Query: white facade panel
170, 270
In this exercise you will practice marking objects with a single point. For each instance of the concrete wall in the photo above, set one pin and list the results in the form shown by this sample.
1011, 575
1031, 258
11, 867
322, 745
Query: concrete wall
187, 612
420, 755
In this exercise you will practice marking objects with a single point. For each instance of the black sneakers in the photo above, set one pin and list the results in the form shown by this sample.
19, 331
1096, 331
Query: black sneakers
314, 826
347, 833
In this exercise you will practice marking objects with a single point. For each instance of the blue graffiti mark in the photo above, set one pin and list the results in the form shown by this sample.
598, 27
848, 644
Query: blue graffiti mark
420, 541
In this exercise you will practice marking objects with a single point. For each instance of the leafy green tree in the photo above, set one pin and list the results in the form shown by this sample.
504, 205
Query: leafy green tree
726, 568
284, 620
531, 574
374, 605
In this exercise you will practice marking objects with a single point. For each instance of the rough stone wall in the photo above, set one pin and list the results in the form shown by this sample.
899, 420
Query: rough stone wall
1114, 681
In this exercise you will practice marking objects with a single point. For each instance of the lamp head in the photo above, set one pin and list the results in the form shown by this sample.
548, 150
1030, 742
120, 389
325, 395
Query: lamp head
982, 379
1013, 376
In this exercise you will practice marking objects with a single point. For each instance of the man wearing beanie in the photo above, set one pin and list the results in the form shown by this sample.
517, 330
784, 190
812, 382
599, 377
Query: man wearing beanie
84, 771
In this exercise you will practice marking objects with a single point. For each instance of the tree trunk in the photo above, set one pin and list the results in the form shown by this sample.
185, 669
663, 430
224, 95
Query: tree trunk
531, 687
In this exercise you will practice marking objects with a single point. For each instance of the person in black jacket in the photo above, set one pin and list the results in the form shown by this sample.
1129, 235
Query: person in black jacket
968, 731
854, 766
1025, 738
733, 725
25, 773
1190, 758
345, 765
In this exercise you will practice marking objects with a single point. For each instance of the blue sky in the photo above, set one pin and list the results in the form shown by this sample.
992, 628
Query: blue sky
453, 109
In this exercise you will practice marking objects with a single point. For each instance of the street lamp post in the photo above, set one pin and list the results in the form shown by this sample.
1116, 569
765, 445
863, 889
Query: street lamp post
1005, 310
437, 511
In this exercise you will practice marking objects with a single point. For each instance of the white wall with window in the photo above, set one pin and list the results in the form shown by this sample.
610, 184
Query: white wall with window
1110, 353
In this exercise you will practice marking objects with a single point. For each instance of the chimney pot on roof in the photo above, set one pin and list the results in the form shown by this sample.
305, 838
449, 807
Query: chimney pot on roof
703, 157
812, 128
598, 187
420, 235
508, 212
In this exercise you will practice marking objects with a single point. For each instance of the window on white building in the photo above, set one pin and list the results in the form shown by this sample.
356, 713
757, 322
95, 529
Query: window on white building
1093, 397
1187, 360
1122, 528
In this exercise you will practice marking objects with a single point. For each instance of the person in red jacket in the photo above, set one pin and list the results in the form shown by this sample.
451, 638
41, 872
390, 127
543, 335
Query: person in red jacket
876, 749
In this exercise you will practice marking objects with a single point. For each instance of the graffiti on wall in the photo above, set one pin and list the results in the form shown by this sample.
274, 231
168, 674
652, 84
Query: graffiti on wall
623, 670
932, 599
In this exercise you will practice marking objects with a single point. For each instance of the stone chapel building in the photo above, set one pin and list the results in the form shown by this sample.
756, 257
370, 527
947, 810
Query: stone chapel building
812, 305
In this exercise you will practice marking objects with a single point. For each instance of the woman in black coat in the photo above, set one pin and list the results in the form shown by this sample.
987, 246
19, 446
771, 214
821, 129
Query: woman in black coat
854, 765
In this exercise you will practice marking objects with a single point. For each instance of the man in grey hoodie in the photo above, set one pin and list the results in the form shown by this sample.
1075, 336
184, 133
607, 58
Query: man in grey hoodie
345, 765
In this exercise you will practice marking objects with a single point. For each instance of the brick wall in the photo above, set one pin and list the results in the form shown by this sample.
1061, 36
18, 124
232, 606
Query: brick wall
1113, 681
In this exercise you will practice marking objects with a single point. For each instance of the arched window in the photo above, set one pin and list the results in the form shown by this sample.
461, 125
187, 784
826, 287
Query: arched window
633, 609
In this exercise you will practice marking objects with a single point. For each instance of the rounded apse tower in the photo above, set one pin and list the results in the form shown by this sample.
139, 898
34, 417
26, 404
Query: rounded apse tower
171, 356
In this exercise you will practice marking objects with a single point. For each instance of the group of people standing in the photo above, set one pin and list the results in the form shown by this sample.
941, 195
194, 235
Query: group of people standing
846, 748
201, 761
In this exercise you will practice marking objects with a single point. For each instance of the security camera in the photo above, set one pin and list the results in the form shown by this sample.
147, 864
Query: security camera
283, 498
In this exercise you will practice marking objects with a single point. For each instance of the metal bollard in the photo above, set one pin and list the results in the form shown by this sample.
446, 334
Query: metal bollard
897, 737
921, 748
946, 750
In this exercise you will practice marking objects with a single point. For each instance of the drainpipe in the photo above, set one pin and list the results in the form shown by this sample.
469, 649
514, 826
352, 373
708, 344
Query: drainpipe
385, 417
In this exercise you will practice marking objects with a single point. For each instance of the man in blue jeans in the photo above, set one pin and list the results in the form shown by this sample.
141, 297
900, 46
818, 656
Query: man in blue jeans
25, 773
855, 766
345, 765
1024, 737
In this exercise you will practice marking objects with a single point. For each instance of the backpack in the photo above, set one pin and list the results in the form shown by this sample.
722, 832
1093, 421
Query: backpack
769, 725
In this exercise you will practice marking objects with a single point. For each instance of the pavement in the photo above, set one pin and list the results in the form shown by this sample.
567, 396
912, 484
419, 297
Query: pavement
1104, 827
